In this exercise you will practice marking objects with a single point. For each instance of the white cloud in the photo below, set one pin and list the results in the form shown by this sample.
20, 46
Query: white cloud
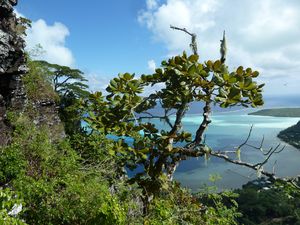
151, 65
52, 39
260, 34
97, 82
152, 4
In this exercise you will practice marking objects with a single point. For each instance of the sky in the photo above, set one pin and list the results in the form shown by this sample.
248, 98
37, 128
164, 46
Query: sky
104, 38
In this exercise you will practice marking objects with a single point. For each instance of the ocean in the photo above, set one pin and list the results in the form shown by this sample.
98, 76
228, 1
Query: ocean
227, 131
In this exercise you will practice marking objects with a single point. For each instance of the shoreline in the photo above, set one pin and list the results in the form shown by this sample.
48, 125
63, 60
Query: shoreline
278, 112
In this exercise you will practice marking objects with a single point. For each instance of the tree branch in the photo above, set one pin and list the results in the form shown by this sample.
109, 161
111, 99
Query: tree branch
193, 44
205, 122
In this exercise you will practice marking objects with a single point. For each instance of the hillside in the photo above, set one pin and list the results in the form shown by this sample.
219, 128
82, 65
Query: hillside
119, 168
291, 135
278, 112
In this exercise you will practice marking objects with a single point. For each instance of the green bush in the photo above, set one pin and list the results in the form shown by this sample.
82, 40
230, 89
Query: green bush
276, 205
10, 208
57, 188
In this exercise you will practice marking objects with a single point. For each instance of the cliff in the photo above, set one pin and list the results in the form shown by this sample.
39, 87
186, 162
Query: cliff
13, 69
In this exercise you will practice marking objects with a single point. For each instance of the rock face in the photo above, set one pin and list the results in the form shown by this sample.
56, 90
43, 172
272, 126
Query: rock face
12, 90
12, 66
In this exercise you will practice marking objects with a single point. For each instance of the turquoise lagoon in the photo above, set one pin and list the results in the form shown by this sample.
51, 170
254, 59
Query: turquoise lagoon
226, 132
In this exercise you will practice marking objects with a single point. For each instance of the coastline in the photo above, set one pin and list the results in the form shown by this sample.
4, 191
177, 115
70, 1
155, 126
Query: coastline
278, 112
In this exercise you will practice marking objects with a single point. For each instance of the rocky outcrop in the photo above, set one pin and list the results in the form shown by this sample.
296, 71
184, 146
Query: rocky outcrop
42, 111
47, 115
291, 135
12, 66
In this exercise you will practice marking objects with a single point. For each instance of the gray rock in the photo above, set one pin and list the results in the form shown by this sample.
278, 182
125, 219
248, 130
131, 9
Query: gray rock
12, 67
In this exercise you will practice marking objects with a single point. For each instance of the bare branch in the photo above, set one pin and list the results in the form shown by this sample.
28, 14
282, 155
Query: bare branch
223, 48
193, 44
257, 166
241, 163
270, 154
182, 29
247, 139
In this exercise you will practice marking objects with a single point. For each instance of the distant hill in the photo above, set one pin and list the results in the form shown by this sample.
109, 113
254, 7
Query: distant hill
278, 112
291, 135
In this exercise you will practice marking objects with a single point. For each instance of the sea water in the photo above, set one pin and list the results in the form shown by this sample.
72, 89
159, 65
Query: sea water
226, 132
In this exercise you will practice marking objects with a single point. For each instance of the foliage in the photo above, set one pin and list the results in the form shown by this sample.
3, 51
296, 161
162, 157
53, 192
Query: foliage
70, 85
291, 135
185, 80
176, 205
37, 84
56, 187
64, 85
82, 180
277, 204
10, 207
22, 25
77, 182
64, 79
70, 115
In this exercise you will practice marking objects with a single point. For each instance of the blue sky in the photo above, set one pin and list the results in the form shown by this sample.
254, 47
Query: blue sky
103, 38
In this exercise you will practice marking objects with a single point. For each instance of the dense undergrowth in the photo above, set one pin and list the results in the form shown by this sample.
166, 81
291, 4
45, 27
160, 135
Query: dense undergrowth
82, 179
76, 181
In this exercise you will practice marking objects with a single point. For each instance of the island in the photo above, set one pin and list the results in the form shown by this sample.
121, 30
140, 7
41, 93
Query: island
278, 112
291, 135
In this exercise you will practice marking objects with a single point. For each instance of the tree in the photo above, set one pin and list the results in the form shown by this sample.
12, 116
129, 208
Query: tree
64, 79
70, 86
122, 113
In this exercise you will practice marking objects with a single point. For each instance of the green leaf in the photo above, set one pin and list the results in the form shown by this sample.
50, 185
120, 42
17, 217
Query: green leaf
222, 92
209, 64
249, 71
177, 59
251, 86
234, 92
192, 69
220, 99
127, 76
255, 74
200, 67
193, 58
232, 80
217, 79
226, 76
217, 66
224, 105
240, 71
